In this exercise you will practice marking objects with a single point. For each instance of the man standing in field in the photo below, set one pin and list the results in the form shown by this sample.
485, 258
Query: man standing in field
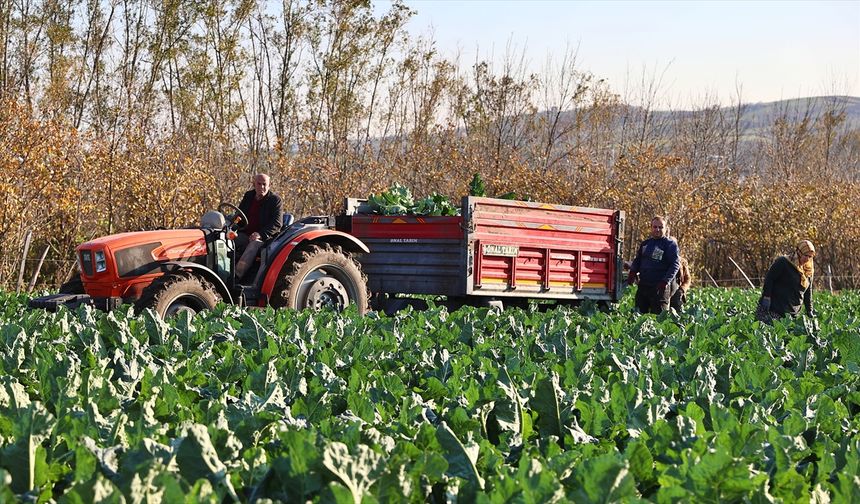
265, 212
657, 262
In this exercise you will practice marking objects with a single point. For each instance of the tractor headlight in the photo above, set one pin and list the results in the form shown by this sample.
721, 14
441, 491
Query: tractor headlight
101, 265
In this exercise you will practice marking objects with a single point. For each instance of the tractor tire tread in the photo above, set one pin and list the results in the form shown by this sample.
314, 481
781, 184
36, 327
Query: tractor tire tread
164, 286
281, 291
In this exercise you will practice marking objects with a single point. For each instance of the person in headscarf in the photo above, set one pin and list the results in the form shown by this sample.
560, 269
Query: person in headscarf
788, 284
684, 280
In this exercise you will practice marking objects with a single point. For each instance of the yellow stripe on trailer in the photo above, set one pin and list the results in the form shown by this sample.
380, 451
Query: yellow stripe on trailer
485, 280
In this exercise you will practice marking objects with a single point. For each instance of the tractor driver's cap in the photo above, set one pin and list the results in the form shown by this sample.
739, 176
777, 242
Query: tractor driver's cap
805, 247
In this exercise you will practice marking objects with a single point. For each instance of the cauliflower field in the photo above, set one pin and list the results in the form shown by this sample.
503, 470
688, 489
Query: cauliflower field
570, 405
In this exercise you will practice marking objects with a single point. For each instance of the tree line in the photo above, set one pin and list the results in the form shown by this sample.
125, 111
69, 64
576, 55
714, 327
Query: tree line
122, 115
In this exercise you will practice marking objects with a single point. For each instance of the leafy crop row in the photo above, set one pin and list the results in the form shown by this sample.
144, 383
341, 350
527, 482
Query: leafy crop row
475, 405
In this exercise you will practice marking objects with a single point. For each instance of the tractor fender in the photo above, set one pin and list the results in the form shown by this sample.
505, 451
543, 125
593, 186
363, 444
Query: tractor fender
346, 241
204, 272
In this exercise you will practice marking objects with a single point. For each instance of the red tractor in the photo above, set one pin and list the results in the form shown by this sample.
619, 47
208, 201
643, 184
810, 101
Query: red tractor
308, 265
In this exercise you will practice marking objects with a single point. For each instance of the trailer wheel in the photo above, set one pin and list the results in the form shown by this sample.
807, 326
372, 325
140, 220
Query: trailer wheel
175, 293
323, 277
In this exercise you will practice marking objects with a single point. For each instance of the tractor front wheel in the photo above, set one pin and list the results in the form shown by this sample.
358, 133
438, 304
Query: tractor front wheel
175, 293
323, 277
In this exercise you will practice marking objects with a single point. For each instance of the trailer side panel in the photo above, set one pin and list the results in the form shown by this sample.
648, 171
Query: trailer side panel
412, 255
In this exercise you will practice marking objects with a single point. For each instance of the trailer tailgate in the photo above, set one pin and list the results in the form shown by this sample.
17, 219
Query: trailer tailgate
539, 250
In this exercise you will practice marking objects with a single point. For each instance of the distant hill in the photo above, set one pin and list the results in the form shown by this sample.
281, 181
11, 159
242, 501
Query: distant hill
761, 115
758, 117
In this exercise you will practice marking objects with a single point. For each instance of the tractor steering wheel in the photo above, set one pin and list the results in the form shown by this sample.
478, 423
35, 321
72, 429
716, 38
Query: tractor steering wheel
235, 219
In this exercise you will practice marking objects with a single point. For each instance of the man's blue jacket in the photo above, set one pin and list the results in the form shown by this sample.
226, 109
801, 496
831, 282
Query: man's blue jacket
657, 260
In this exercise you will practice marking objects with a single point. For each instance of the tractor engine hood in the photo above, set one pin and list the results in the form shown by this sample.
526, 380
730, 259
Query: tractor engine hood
109, 264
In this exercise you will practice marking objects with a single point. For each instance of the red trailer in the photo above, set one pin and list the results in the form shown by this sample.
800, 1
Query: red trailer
496, 250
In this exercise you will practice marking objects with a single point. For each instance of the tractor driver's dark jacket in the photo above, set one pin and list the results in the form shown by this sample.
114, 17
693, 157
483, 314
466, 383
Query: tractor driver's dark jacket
782, 286
656, 261
270, 215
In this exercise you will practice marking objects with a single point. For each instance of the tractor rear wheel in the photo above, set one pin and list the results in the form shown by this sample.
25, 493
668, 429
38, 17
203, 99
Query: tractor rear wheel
175, 293
323, 277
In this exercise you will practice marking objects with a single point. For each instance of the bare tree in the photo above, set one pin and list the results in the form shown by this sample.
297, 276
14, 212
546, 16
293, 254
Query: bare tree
565, 88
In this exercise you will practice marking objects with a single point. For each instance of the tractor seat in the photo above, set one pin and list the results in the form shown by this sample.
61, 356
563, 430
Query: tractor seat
212, 220
262, 256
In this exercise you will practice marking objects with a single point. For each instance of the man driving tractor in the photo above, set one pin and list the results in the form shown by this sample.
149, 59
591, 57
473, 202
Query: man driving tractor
265, 213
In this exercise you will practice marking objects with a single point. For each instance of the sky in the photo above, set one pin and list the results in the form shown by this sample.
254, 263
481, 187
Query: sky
697, 50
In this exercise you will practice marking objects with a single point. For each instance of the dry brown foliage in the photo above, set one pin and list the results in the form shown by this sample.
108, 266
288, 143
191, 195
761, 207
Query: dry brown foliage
68, 187
118, 116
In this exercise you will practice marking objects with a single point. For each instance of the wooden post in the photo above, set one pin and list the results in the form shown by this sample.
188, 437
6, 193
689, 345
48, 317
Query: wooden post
742, 272
27, 239
70, 271
830, 278
712, 278
38, 269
